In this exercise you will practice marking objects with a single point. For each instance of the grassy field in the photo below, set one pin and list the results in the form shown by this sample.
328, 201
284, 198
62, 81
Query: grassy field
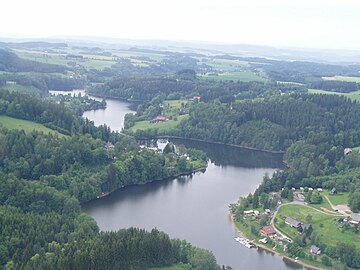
27, 126
342, 78
325, 226
89, 61
162, 126
336, 199
324, 204
353, 95
227, 64
244, 76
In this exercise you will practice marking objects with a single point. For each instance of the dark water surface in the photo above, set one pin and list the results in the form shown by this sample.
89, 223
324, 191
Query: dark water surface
194, 208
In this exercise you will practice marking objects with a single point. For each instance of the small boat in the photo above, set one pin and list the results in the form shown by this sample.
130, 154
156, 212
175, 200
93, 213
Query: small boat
244, 242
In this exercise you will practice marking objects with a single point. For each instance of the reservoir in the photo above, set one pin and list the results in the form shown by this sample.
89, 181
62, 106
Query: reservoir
194, 208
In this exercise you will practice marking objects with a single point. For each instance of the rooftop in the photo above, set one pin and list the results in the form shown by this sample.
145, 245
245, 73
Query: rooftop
268, 230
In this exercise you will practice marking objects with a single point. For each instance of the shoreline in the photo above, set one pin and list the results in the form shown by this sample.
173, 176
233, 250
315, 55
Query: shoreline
115, 98
219, 143
201, 169
267, 249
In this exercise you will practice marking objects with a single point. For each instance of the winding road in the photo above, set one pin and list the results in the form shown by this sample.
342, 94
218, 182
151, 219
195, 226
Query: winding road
302, 204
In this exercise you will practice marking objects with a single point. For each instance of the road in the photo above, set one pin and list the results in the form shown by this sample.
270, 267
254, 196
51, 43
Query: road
297, 203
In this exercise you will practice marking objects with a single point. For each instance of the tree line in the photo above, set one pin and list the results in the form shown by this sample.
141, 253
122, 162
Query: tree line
44, 177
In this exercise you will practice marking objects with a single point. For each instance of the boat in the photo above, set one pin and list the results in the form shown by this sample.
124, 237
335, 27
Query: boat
244, 242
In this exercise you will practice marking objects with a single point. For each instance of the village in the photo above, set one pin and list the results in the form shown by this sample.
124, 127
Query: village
290, 226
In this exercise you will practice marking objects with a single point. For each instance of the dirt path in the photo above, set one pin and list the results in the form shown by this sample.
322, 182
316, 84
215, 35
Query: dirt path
297, 203
340, 208
332, 206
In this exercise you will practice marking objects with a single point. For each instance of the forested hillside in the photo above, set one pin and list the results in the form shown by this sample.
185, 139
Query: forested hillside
44, 177
275, 123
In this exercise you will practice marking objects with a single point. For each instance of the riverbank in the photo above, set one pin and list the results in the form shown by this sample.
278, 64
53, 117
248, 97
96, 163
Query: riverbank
218, 143
115, 98
242, 233
201, 169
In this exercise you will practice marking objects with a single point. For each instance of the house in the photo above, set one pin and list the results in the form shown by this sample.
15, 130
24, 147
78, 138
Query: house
158, 119
196, 98
347, 151
267, 211
248, 212
319, 189
354, 219
293, 222
256, 213
293, 189
333, 191
267, 231
301, 188
315, 250
109, 145
311, 189
161, 118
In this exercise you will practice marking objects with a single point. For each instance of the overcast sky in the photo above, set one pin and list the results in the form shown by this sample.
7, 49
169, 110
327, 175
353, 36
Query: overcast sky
295, 23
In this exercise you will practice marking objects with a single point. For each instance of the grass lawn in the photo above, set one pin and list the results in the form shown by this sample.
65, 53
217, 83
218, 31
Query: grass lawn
323, 204
162, 126
175, 104
353, 95
244, 76
174, 267
342, 78
27, 126
336, 199
325, 226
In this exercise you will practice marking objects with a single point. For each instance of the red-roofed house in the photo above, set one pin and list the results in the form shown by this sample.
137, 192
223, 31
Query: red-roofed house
267, 231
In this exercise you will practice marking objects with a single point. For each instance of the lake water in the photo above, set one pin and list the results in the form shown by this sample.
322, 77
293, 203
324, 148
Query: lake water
112, 116
194, 208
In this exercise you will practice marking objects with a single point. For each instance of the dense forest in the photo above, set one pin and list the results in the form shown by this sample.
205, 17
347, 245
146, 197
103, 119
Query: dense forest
274, 123
44, 178
316, 159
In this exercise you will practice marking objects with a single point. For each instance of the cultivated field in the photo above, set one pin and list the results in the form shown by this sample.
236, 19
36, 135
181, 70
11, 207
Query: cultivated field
342, 78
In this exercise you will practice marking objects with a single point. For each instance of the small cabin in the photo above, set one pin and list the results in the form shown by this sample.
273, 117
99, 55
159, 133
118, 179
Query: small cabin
315, 250
347, 151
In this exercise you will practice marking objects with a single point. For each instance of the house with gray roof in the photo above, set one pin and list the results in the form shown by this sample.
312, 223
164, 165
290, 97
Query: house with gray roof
293, 222
315, 250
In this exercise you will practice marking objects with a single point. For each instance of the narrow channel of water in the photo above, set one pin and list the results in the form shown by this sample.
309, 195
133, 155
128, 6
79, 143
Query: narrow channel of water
113, 116
194, 208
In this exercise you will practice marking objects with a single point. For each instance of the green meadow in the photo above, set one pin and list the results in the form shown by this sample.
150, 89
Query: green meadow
353, 95
325, 226
27, 126
244, 76
343, 78
162, 126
